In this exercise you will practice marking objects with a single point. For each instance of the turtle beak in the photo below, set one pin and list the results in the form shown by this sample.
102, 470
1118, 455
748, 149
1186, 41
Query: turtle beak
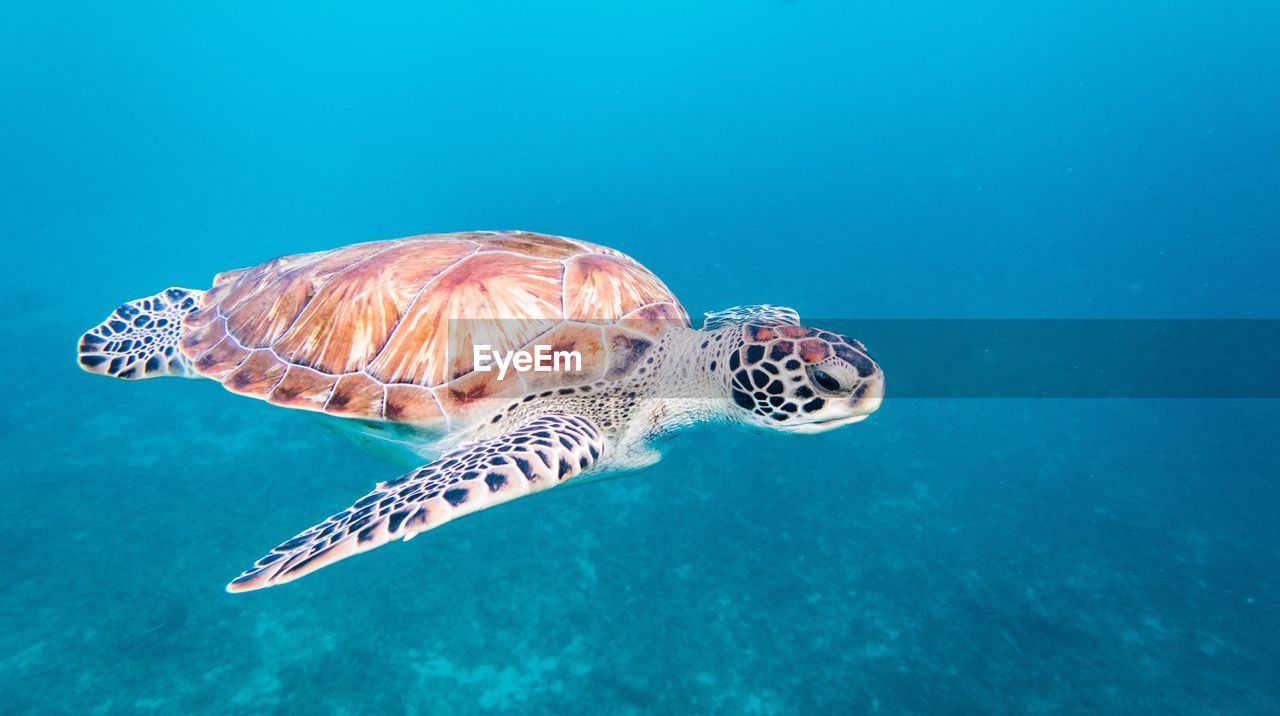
865, 400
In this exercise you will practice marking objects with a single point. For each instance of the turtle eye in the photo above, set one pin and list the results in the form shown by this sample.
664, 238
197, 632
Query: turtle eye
825, 380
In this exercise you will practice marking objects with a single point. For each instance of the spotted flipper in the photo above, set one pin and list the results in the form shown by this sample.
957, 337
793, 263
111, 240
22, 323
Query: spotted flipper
763, 314
542, 454
140, 340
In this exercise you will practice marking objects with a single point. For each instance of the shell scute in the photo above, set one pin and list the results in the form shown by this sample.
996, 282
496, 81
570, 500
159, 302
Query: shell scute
609, 287
477, 393
586, 340
302, 388
195, 342
411, 404
357, 395
625, 350
221, 358
257, 375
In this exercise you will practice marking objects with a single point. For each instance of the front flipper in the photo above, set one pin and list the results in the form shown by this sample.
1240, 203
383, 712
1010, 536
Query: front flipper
539, 455
763, 314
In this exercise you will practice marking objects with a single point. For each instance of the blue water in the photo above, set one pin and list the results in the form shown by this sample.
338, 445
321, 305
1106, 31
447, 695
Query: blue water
850, 159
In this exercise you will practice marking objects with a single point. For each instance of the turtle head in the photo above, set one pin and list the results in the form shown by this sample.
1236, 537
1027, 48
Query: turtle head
802, 380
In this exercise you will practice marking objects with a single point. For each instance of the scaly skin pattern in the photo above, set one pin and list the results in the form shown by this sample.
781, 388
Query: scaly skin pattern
646, 395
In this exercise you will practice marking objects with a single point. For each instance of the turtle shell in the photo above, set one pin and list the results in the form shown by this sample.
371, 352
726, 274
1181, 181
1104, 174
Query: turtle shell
383, 330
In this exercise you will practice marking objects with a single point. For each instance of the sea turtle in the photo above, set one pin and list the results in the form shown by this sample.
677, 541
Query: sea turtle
385, 337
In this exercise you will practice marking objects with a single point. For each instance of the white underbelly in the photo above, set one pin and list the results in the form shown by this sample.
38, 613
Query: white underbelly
404, 446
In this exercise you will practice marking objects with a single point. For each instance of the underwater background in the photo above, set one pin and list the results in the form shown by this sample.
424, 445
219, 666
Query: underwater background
854, 160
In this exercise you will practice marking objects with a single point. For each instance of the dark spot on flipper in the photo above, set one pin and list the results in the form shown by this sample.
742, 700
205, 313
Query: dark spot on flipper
395, 518
373, 497
293, 543
247, 576
418, 518
495, 481
456, 496
308, 560
357, 524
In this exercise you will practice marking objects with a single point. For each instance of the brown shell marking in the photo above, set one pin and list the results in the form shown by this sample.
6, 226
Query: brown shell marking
257, 375
302, 387
221, 358
366, 330
411, 404
586, 340
477, 393
654, 318
356, 394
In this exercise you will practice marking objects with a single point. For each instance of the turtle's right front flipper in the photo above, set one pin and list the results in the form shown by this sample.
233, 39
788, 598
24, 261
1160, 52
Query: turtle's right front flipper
539, 455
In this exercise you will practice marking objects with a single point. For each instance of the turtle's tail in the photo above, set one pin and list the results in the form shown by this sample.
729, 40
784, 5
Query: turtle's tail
140, 340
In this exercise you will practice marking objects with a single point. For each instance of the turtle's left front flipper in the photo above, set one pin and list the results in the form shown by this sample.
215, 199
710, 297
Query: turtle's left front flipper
140, 339
539, 455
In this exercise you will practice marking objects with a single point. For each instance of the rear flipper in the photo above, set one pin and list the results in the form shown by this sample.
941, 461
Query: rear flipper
140, 340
